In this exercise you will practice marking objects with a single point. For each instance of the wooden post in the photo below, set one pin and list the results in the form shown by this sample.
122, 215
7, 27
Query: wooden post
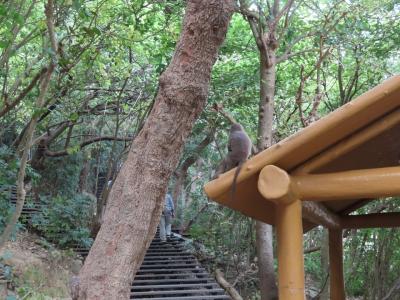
274, 185
290, 251
336, 264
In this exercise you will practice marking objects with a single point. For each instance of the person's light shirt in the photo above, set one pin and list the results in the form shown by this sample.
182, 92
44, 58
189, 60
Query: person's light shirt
169, 203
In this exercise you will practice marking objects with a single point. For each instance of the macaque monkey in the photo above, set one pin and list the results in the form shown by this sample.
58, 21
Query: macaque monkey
239, 149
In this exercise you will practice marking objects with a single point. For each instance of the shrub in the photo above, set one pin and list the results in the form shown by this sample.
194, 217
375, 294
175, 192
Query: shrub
66, 220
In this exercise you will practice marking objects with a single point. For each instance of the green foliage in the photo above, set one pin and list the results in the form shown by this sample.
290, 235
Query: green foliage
111, 55
5, 209
66, 220
312, 264
61, 175
6, 270
9, 166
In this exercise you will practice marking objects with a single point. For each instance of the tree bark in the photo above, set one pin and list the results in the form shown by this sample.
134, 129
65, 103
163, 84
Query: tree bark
267, 95
83, 175
264, 232
136, 198
266, 273
267, 43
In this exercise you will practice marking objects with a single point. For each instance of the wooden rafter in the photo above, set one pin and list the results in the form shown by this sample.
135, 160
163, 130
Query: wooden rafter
375, 129
378, 220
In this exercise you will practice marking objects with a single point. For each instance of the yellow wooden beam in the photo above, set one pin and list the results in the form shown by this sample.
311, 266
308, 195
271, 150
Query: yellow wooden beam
274, 183
368, 183
382, 220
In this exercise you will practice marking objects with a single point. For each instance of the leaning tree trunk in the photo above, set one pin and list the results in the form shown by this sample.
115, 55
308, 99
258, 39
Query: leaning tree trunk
264, 232
136, 198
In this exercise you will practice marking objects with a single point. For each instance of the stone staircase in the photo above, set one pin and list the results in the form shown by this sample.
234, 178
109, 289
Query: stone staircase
170, 272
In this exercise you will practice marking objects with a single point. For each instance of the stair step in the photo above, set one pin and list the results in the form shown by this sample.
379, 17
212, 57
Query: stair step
140, 282
180, 292
174, 265
209, 297
168, 261
173, 276
174, 286
168, 271
167, 257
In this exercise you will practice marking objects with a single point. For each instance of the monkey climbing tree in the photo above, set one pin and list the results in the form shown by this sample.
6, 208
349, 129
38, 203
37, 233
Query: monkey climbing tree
319, 176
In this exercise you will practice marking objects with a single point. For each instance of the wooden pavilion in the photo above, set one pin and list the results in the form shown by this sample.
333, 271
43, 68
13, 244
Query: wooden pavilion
319, 176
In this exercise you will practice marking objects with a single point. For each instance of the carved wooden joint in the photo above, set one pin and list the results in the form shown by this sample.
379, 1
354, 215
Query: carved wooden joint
275, 185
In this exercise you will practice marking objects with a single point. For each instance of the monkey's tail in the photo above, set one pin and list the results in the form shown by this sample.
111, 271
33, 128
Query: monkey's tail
233, 188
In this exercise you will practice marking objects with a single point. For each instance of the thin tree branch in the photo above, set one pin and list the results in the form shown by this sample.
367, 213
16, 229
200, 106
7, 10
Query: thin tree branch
312, 249
288, 55
220, 109
275, 8
49, 12
50, 153
289, 48
284, 10
9, 106
189, 224
395, 288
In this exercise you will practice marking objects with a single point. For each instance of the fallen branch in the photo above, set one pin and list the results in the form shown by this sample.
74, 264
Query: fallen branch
189, 224
312, 249
219, 276
395, 288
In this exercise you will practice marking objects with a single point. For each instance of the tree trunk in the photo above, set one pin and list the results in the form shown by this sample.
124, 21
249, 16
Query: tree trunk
324, 294
266, 273
136, 198
264, 232
83, 176
178, 187
267, 95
